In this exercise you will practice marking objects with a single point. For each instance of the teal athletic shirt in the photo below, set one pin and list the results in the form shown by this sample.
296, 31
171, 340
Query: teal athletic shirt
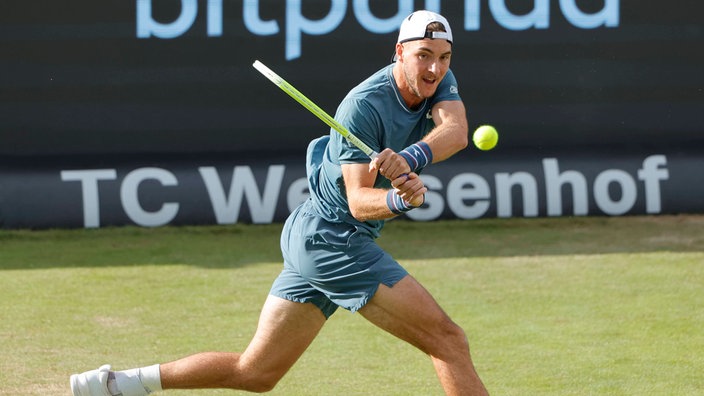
375, 112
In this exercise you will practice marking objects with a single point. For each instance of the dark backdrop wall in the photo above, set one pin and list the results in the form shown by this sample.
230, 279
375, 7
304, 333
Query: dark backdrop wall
149, 112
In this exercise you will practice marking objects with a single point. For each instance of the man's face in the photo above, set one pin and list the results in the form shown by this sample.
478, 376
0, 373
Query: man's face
424, 64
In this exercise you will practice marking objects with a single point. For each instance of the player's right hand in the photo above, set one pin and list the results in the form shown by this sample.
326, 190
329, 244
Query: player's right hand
390, 164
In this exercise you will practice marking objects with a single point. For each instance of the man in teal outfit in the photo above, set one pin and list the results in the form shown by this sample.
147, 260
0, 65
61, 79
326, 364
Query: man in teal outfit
411, 113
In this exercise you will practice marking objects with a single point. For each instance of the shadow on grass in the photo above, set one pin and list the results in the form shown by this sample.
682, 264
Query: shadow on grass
550, 236
241, 245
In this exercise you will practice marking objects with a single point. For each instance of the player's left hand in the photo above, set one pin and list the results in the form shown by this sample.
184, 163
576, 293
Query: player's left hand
410, 188
390, 164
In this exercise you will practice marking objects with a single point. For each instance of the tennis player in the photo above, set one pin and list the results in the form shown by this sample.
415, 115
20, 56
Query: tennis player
409, 112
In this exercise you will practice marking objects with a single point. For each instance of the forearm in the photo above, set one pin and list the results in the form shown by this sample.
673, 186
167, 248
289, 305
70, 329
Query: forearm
369, 204
451, 133
446, 140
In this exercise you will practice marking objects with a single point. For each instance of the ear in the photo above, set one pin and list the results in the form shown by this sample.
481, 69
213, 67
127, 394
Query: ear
399, 51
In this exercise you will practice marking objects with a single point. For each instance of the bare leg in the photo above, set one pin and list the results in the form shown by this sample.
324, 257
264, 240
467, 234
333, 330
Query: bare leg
284, 332
410, 313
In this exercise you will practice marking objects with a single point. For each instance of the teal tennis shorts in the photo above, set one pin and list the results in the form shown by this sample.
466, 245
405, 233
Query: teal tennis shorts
331, 264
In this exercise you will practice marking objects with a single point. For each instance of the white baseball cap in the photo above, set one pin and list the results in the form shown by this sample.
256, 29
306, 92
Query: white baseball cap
414, 27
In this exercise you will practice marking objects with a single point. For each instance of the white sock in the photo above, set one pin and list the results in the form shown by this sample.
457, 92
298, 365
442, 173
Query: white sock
137, 382
151, 378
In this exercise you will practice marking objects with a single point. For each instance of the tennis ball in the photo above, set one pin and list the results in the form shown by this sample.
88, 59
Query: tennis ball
485, 137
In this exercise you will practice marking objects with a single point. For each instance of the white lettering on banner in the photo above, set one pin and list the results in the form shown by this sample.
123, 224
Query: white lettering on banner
651, 174
227, 207
297, 24
467, 196
553, 189
129, 196
603, 196
505, 183
468, 187
89, 191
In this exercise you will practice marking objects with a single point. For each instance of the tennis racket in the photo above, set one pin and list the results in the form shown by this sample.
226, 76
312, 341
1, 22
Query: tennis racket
313, 108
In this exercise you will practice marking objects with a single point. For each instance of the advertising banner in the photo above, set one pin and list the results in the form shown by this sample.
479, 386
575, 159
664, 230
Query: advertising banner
149, 112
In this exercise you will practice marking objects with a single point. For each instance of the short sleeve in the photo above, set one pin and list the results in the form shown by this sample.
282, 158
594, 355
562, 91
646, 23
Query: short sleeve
448, 89
363, 122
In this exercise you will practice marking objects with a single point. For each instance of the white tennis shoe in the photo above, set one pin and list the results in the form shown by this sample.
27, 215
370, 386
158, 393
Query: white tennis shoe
91, 383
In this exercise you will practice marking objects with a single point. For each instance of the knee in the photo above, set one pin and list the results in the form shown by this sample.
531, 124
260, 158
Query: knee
261, 387
260, 384
257, 381
456, 335
450, 340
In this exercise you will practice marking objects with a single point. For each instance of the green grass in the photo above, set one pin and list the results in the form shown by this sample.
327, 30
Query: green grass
566, 306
